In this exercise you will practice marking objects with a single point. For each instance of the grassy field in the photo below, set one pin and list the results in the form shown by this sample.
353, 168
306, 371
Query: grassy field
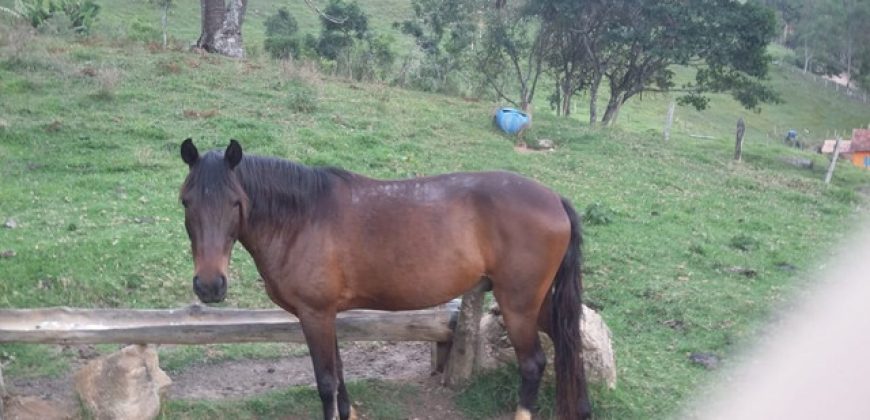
89, 135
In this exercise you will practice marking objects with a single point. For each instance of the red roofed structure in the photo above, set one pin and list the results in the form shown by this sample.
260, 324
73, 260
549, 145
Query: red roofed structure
860, 148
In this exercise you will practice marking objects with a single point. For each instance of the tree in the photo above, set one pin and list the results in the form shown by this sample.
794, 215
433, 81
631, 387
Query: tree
337, 36
722, 40
632, 45
164, 6
512, 53
444, 31
854, 15
833, 36
577, 52
222, 27
789, 13
281, 41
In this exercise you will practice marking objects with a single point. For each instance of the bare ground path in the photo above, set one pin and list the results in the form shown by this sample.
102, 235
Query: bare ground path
243, 378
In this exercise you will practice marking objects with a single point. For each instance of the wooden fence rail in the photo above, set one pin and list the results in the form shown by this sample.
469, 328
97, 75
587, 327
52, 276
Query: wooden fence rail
201, 325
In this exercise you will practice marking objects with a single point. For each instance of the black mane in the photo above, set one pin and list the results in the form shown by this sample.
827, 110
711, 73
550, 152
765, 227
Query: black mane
279, 188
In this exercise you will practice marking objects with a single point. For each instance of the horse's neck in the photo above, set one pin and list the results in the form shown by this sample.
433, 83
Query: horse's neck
270, 231
267, 241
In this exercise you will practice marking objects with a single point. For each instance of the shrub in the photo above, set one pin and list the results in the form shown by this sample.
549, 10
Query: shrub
81, 13
337, 36
107, 80
378, 58
282, 47
302, 100
598, 214
281, 41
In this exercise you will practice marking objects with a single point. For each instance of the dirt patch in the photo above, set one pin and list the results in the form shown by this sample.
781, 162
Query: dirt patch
433, 402
243, 378
407, 363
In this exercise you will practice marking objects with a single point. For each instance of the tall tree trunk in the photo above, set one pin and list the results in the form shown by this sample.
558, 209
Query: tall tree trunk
557, 100
211, 17
164, 21
610, 114
566, 104
849, 53
567, 92
524, 98
593, 100
807, 56
222, 27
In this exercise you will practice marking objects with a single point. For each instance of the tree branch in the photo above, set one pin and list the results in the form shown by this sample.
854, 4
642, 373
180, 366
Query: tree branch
324, 15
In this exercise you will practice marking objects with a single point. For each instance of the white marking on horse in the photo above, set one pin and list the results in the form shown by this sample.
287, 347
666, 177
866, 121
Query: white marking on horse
523, 414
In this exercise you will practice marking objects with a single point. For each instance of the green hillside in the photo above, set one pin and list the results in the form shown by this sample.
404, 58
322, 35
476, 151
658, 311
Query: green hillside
89, 135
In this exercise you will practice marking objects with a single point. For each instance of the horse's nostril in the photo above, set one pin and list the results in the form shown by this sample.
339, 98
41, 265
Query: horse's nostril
223, 282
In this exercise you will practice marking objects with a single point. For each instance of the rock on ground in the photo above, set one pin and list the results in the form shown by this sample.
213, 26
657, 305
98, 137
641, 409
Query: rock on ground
127, 384
494, 347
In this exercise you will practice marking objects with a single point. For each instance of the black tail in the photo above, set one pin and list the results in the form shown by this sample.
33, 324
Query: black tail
571, 393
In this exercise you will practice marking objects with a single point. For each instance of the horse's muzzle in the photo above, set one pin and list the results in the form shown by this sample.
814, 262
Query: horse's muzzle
213, 291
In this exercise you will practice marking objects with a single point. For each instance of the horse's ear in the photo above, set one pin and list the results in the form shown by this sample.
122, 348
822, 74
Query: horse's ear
189, 154
233, 154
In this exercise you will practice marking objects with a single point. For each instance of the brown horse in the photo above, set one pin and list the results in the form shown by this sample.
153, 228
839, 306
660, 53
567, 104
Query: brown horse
327, 240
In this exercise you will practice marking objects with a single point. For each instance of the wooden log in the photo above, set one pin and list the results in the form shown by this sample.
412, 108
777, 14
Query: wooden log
200, 325
798, 162
461, 361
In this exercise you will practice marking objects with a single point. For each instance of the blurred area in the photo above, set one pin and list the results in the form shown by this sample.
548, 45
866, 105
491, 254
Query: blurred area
816, 362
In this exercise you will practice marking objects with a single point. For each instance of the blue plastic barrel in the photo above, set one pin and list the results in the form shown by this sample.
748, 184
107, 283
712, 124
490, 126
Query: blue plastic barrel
511, 120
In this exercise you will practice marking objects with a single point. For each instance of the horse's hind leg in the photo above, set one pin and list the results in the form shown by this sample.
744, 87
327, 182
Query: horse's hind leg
521, 320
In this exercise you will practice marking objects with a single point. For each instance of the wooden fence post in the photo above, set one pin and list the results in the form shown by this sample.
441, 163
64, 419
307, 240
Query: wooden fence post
738, 146
836, 156
3, 394
460, 363
669, 120
440, 350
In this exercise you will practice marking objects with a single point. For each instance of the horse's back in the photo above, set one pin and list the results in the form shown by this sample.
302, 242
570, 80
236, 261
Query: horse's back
442, 234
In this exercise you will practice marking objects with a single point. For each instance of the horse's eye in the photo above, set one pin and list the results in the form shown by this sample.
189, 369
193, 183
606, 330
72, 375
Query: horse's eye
237, 204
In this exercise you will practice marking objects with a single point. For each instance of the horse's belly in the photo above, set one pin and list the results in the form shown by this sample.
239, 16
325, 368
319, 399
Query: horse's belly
419, 287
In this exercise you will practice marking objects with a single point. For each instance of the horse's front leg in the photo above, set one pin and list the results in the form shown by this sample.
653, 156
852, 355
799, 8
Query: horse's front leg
345, 410
319, 330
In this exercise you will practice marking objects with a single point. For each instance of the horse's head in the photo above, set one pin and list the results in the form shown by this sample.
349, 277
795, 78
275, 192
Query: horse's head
215, 206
